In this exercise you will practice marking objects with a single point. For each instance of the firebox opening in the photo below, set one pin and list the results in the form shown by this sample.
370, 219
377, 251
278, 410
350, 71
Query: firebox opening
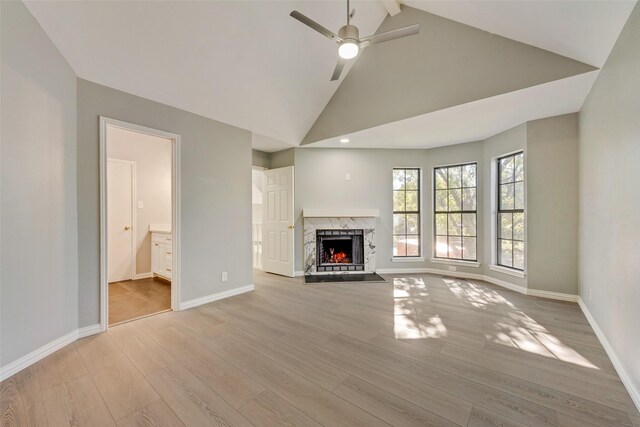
337, 251
340, 250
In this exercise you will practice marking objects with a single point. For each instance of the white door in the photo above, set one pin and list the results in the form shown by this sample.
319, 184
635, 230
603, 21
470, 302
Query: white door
277, 223
120, 181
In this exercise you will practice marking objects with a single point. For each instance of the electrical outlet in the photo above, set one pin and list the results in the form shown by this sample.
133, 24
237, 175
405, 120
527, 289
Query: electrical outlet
347, 177
140, 204
224, 276
452, 268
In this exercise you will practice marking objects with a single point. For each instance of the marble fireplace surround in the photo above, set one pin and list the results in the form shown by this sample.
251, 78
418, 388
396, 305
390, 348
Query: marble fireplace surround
335, 219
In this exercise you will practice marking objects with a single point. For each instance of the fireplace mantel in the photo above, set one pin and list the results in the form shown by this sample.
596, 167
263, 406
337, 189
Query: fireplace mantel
340, 213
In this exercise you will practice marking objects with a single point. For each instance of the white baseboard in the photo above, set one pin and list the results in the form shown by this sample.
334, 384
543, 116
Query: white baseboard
634, 392
298, 273
143, 276
42, 352
462, 275
552, 295
89, 330
215, 297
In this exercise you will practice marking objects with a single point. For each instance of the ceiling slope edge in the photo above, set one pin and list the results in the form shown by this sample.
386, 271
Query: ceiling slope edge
447, 64
476, 120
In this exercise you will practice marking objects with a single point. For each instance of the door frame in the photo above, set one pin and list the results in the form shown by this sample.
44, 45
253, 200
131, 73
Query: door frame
105, 123
261, 169
134, 213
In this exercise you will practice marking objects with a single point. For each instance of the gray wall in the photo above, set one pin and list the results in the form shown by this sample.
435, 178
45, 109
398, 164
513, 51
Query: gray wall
260, 159
551, 153
610, 198
39, 278
283, 158
216, 193
514, 139
471, 64
320, 183
552, 201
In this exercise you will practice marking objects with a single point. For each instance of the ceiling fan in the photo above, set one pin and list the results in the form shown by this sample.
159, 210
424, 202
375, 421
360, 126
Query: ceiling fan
348, 37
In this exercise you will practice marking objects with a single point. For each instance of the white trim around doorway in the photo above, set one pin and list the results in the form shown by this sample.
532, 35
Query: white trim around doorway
106, 122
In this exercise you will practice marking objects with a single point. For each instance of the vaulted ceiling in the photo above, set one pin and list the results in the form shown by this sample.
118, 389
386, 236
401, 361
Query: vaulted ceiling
247, 63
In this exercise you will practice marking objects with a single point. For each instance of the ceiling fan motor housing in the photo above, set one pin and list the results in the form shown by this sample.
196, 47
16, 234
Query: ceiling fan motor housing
349, 32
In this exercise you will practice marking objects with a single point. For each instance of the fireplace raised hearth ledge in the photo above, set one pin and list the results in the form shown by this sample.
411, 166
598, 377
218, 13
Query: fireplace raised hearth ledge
340, 213
339, 219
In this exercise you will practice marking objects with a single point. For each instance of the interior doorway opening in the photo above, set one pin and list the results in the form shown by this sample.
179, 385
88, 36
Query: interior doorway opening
257, 187
139, 217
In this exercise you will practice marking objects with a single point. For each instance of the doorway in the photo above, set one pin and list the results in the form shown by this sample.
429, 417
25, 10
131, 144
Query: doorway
139, 273
257, 185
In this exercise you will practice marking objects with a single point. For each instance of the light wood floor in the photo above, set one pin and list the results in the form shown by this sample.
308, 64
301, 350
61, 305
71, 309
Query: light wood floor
137, 298
419, 350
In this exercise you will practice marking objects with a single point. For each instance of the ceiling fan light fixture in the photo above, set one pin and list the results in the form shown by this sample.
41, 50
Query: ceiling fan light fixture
348, 49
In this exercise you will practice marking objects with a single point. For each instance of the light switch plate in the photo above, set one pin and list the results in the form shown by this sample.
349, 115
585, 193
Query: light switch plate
140, 204
347, 177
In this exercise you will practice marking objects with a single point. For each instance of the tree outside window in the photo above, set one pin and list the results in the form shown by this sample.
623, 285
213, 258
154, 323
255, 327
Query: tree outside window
406, 212
511, 196
455, 214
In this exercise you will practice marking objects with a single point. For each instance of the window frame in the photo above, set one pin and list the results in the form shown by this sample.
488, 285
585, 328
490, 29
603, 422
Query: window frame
447, 259
405, 212
499, 210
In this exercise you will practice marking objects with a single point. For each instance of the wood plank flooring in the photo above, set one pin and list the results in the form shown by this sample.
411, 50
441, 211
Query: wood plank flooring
133, 299
418, 350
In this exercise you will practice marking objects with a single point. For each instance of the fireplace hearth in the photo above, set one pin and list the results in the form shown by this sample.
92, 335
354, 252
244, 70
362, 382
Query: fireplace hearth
340, 250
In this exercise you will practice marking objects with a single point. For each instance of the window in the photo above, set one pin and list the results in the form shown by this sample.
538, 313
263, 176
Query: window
511, 211
406, 212
455, 196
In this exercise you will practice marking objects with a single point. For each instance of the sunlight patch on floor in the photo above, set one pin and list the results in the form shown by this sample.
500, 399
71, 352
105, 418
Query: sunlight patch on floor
516, 329
407, 323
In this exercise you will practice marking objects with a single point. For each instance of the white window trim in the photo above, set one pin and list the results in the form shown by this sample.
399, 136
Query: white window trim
408, 259
509, 271
420, 217
460, 262
433, 216
494, 217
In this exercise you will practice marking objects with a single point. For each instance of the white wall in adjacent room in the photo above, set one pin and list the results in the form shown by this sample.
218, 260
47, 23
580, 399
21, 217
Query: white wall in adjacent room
152, 155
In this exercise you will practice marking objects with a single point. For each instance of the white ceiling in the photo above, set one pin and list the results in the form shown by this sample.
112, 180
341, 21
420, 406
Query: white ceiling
245, 63
475, 120
249, 64
585, 30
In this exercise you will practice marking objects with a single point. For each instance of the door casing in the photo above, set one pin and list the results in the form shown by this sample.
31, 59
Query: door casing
105, 124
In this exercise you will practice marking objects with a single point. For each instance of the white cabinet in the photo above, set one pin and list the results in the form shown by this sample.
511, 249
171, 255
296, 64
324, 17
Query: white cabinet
161, 254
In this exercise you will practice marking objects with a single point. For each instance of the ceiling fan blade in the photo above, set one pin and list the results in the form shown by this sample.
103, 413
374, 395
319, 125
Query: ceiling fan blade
391, 35
338, 70
313, 24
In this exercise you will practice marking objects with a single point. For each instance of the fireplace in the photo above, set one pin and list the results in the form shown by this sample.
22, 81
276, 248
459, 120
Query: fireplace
323, 227
340, 250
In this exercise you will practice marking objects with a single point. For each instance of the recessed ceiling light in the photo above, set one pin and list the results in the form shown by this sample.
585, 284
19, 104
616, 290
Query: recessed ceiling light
344, 140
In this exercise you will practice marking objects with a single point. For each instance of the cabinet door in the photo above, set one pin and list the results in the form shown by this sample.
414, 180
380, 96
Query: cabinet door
157, 257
